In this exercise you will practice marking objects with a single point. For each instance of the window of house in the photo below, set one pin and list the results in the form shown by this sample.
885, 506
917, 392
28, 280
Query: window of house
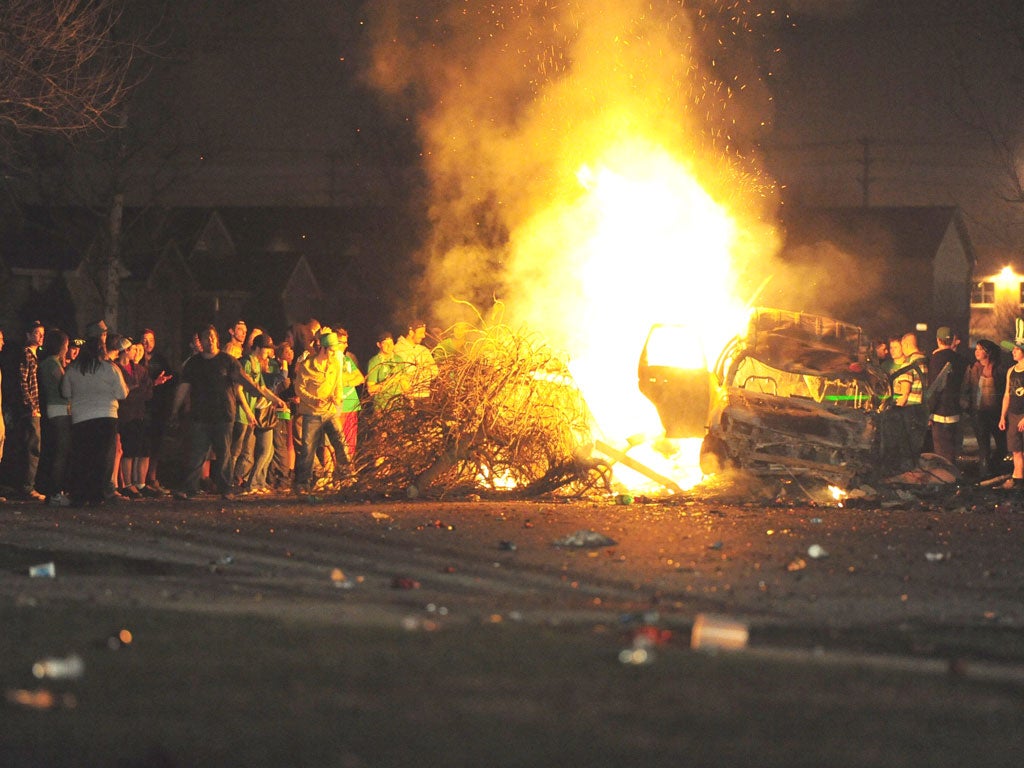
985, 293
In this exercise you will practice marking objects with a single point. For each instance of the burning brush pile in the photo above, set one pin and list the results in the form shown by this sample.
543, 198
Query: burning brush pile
504, 416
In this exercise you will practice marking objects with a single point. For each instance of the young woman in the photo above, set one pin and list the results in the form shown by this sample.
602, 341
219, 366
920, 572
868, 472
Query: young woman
94, 385
56, 422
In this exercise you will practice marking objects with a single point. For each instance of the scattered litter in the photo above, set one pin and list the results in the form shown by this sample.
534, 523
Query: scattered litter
584, 538
120, 639
413, 623
404, 582
816, 551
440, 610
40, 698
624, 499
508, 546
67, 668
226, 560
936, 557
636, 657
797, 564
43, 571
380, 515
815, 521
713, 633
340, 580
716, 545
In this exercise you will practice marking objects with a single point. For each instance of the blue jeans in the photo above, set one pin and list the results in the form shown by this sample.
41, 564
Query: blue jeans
203, 437
31, 434
264, 452
314, 429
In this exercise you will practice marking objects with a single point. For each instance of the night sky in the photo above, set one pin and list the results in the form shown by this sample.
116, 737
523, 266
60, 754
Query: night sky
267, 103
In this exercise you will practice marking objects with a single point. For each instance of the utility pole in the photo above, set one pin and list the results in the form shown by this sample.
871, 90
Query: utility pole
866, 178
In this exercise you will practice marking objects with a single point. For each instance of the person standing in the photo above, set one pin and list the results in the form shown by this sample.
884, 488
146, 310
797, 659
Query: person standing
31, 413
94, 385
1011, 416
263, 414
351, 378
157, 409
919, 372
56, 424
384, 379
236, 339
420, 369
3, 427
208, 381
945, 405
318, 386
984, 394
279, 379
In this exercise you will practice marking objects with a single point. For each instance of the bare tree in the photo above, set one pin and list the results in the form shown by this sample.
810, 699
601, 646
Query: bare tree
62, 69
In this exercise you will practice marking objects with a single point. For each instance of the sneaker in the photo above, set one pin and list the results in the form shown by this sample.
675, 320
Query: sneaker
185, 495
158, 489
131, 492
151, 493
59, 500
34, 495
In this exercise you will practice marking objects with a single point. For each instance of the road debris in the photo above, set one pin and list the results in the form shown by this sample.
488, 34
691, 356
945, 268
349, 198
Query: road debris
40, 698
585, 538
712, 633
43, 571
817, 552
67, 668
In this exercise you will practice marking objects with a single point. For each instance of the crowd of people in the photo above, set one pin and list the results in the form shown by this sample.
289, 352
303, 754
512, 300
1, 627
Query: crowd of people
88, 420
982, 393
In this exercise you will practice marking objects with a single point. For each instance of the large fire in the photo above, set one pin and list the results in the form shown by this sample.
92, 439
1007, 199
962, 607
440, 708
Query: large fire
581, 166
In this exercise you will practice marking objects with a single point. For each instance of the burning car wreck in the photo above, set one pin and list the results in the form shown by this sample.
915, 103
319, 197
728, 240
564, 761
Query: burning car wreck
795, 395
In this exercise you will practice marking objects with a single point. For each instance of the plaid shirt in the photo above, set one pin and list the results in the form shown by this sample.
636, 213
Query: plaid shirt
29, 370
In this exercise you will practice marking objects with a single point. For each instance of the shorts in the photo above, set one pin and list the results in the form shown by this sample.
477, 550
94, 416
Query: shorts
1014, 437
134, 439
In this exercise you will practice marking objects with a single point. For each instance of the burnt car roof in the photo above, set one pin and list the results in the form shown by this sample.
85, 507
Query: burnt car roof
804, 343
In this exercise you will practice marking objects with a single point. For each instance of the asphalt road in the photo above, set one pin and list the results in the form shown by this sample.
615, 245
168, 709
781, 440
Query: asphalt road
899, 619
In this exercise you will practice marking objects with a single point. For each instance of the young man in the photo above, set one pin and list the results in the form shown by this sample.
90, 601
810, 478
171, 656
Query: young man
945, 410
351, 377
236, 339
31, 413
384, 373
318, 387
1011, 417
420, 366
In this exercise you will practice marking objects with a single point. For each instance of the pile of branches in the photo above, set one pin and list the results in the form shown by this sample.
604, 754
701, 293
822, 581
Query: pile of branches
503, 416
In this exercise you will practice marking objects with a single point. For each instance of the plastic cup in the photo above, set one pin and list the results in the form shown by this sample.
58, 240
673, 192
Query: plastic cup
42, 571
712, 632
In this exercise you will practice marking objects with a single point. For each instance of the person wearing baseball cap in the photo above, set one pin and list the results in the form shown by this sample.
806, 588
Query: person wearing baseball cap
946, 365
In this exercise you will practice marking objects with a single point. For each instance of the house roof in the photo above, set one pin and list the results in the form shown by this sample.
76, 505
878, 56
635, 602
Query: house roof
909, 232
262, 238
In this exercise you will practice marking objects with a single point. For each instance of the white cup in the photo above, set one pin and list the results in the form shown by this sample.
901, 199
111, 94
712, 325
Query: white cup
711, 632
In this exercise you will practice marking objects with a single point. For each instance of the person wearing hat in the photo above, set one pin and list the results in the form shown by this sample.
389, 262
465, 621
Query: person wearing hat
947, 365
318, 387
1011, 417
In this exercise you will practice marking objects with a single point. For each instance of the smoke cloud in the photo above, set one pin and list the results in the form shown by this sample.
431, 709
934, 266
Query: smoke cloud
513, 99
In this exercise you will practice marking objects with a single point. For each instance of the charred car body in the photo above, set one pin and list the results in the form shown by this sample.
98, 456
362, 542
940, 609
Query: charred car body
795, 395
